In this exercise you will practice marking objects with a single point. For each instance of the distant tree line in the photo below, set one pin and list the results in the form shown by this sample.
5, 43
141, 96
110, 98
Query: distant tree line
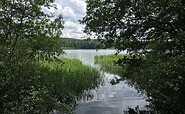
70, 43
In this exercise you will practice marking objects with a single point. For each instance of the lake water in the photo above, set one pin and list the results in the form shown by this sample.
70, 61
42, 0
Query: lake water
107, 99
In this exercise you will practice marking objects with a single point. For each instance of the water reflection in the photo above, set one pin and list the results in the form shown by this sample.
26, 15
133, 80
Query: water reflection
107, 99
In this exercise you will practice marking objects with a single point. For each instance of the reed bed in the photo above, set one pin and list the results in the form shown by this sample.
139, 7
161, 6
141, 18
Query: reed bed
69, 80
108, 63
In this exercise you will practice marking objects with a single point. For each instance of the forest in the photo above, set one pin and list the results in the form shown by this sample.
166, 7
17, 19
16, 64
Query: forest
71, 43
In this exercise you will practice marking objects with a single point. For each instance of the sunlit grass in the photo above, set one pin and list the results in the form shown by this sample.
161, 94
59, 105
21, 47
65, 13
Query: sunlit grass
75, 75
69, 80
108, 63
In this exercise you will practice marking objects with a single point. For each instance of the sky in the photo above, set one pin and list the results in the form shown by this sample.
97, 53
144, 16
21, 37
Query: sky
72, 11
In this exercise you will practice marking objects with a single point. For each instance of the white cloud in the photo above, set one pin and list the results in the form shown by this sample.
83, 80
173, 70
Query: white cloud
72, 11
66, 11
73, 30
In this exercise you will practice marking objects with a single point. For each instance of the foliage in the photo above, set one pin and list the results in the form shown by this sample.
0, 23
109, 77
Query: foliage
26, 30
154, 29
27, 34
163, 90
32, 78
45, 86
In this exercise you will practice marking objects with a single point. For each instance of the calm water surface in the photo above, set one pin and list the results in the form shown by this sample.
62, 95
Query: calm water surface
107, 99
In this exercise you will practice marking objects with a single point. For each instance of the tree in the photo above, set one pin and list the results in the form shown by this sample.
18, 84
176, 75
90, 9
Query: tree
24, 24
153, 33
27, 34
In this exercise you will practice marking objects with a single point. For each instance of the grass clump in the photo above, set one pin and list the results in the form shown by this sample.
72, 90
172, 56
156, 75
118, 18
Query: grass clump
108, 63
69, 80
74, 73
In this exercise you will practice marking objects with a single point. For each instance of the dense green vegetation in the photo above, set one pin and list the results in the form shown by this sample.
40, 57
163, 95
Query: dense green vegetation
79, 78
67, 82
49, 85
108, 63
154, 29
69, 43
33, 80
143, 81
27, 35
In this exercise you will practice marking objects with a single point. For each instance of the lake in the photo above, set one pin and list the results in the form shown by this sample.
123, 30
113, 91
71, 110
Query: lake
107, 99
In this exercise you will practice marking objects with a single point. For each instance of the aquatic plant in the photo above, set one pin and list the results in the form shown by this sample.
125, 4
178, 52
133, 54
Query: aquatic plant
69, 80
108, 63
